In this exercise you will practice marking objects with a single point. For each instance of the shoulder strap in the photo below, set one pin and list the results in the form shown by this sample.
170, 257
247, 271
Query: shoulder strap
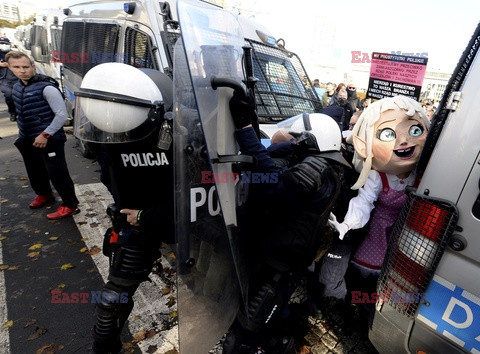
385, 185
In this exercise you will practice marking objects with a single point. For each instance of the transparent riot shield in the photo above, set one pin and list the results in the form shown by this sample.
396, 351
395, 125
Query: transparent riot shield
209, 194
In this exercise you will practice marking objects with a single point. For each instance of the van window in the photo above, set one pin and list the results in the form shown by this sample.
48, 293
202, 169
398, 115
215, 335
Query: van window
38, 38
87, 44
139, 49
56, 37
279, 92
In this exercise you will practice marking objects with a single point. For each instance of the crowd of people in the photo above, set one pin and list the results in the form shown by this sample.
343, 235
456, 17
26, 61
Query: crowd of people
347, 97
343, 170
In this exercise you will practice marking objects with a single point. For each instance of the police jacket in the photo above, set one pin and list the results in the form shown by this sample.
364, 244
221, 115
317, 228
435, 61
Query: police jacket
140, 176
7, 77
34, 112
289, 214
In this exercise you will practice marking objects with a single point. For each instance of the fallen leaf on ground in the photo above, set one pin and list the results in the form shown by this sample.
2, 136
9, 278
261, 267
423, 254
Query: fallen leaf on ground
23, 179
13, 268
46, 349
167, 290
53, 238
94, 250
151, 349
172, 351
151, 333
305, 350
3, 201
8, 324
33, 254
30, 323
35, 247
3, 266
128, 347
139, 336
2, 238
83, 250
67, 266
60, 287
39, 331
171, 301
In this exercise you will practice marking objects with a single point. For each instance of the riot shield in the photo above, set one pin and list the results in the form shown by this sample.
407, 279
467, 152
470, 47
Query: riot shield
209, 195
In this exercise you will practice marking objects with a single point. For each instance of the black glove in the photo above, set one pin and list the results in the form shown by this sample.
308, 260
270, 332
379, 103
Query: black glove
242, 110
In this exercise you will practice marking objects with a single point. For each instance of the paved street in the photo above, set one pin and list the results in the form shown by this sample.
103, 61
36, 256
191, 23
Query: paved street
38, 257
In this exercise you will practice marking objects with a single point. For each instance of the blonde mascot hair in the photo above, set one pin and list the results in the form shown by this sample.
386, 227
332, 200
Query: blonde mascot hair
364, 129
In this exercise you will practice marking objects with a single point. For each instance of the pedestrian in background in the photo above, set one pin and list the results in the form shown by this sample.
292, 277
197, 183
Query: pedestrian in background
41, 113
7, 78
328, 94
353, 99
341, 99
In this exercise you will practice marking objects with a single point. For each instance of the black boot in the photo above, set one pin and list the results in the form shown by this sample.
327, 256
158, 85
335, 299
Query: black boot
113, 347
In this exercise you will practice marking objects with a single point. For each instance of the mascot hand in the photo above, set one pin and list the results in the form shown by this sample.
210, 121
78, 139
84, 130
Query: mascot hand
341, 228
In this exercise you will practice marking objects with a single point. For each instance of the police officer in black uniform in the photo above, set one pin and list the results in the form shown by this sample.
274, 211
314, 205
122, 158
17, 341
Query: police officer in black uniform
135, 154
287, 218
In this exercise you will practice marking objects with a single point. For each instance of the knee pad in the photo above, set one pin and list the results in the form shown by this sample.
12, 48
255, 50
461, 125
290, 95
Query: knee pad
264, 308
112, 310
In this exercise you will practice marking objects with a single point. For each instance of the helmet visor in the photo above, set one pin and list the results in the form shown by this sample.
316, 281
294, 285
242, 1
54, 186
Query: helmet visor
105, 118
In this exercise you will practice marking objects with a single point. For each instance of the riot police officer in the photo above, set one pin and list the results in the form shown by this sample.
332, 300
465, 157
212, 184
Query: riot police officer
133, 139
288, 216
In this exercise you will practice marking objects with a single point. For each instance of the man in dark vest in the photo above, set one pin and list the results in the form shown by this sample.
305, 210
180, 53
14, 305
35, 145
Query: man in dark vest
41, 113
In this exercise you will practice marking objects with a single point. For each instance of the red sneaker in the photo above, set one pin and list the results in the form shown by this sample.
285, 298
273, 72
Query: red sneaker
63, 212
41, 200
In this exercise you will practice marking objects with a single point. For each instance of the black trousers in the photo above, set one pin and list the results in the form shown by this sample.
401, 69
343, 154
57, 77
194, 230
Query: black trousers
45, 165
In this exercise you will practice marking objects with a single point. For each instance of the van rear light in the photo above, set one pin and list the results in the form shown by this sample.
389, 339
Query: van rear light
429, 219
416, 245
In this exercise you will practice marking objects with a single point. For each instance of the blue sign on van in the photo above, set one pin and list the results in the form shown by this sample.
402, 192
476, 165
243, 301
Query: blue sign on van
453, 312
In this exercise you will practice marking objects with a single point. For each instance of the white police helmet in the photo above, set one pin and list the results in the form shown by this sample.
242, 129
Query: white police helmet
115, 103
326, 132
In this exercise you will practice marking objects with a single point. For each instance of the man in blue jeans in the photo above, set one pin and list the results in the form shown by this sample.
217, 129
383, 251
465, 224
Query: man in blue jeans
41, 139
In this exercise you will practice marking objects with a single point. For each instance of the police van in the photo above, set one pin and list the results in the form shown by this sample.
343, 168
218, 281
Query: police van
44, 42
143, 33
430, 281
